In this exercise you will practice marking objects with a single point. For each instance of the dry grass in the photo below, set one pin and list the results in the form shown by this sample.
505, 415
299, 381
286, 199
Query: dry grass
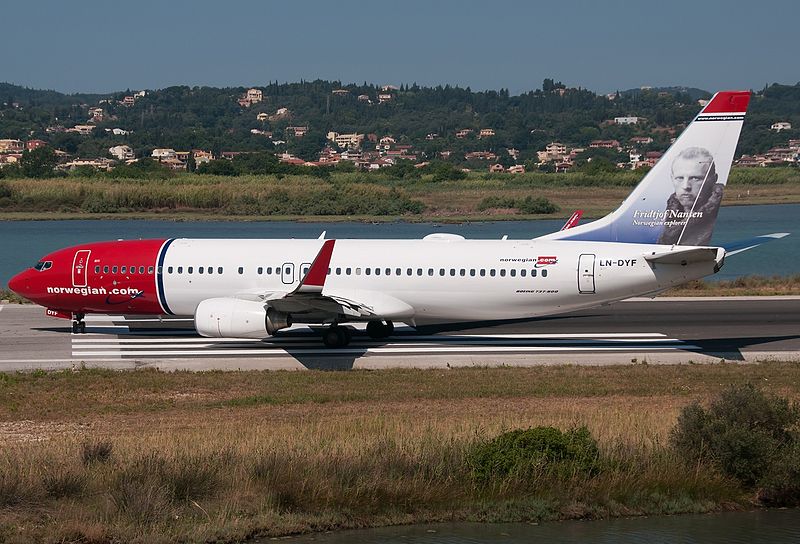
151, 457
744, 286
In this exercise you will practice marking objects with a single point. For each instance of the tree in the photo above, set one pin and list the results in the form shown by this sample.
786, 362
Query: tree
38, 163
191, 164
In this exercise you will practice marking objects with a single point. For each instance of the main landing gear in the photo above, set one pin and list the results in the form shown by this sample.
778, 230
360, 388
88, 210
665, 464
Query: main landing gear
79, 326
337, 336
380, 329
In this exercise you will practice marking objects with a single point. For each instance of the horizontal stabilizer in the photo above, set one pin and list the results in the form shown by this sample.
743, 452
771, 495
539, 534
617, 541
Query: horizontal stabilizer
684, 256
743, 245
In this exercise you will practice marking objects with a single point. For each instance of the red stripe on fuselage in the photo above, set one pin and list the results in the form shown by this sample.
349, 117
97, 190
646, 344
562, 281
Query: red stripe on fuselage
132, 292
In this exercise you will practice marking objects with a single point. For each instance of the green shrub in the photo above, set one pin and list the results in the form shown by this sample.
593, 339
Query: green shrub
528, 204
781, 485
524, 451
536, 205
744, 433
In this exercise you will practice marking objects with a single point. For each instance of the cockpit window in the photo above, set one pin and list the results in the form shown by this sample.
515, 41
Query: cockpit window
41, 266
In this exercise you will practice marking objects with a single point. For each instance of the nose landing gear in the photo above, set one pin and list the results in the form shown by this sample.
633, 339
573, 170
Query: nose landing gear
79, 325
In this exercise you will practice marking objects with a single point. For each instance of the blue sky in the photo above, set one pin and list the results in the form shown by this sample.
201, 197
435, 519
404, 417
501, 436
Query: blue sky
93, 46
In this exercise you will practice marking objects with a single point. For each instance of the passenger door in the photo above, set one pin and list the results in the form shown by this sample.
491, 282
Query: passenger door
80, 267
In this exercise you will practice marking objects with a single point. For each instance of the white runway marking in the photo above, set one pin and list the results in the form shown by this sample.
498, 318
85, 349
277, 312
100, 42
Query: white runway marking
118, 343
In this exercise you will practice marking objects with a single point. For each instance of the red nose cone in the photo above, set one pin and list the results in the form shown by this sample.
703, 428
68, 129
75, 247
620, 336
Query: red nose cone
19, 284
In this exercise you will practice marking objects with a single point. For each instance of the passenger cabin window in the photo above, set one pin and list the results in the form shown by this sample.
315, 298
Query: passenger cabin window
241, 270
338, 270
348, 271
97, 269
483, 272
367, 271
503, 272
513, 273
260, 270
190, 270
544, 273
180, 270
105, 270
114, 269
492, 272
419, 271
219, 270
358, 271
150, 269
210, 269
534, 272
141, 270
522, 272
123, 269
169, 270
200, 269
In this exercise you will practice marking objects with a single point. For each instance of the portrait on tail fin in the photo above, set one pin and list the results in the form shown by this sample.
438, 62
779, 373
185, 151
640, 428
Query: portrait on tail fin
692, 208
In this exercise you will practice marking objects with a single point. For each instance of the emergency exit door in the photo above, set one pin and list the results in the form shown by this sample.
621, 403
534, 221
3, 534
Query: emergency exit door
586, 274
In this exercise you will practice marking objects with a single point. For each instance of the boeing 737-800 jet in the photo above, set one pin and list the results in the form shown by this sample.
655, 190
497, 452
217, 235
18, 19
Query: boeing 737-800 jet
658, 238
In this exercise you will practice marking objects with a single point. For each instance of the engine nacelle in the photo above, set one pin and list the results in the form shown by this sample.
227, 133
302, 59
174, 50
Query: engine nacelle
235, 318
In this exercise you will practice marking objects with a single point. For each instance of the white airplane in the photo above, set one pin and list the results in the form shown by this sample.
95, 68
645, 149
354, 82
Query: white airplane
658, 238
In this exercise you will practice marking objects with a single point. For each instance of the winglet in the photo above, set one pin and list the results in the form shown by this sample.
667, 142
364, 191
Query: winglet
573, 219
314, 280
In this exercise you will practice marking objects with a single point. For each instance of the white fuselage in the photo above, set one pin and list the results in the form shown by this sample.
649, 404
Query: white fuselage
431, 281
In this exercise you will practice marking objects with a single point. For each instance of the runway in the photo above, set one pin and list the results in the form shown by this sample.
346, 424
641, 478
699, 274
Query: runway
636, 331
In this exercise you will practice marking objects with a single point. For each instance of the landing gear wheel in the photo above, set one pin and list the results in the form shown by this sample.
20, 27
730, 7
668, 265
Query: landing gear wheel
379, 329
336, 337
79, 326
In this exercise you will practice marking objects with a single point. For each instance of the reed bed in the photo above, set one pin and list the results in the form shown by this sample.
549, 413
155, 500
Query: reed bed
363, 195
101, 456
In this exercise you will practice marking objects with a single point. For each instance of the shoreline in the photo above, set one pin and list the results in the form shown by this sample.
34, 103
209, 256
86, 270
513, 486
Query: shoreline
441, 218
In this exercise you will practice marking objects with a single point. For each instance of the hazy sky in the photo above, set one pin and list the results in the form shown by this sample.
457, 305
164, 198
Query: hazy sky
93, 46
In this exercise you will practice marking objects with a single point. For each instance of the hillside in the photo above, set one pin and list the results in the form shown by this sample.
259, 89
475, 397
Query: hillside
426, 118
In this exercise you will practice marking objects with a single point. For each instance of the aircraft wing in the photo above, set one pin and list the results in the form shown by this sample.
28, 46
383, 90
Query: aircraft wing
311, 296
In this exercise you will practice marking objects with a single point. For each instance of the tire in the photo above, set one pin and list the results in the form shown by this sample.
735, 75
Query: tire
335, 337
75, 329
378, 329
82, 327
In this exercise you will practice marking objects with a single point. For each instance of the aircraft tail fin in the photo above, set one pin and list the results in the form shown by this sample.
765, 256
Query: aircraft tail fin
677, 202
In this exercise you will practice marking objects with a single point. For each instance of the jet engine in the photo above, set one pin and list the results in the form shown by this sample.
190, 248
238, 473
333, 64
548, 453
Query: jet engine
235, 318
